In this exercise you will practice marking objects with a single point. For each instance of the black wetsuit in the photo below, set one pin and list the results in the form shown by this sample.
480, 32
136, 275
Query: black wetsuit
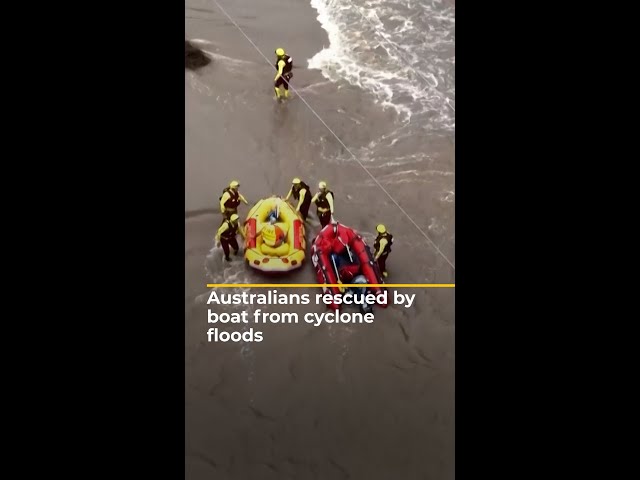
324, 209
287, 74
228, 239
304, 208
382, 259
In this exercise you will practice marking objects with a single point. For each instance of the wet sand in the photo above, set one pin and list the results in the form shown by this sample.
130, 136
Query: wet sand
360, 402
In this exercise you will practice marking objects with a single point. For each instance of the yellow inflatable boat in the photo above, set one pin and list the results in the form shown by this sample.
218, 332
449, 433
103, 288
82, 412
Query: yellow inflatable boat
275, 237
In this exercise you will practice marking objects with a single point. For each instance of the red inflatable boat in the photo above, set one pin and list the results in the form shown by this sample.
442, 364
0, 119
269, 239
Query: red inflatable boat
340, 252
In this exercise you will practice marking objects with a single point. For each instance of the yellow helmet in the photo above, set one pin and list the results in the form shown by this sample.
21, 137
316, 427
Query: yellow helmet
234, 217
234, 184
295, 181
381, 228
280, 52
322, 185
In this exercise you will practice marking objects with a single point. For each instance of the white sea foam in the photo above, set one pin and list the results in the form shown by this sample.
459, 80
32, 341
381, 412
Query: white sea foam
400, 51
220, 271
201, 41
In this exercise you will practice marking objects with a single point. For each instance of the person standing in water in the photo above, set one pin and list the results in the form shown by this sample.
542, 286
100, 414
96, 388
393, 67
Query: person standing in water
284, 65
226, 235
382, 247
230, 199
324, 204
300, 191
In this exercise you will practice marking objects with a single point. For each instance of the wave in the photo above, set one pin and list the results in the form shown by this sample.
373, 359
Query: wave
401, 51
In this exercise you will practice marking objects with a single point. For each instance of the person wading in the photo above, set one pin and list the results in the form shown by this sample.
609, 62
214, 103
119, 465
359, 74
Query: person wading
230, 200
284, 65
227, 235
382, 247
300, 192
324, 204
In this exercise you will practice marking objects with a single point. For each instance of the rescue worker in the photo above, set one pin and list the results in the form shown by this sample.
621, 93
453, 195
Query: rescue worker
284, 65
324, 204
300, 192
382, 247
230, 199
227, 235
348, 271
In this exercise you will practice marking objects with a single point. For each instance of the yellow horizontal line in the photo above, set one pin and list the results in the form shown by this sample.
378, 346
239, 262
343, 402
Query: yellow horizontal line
318, 285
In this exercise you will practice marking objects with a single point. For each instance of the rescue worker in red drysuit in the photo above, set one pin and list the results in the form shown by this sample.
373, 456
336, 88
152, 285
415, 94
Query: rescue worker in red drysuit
348, 272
